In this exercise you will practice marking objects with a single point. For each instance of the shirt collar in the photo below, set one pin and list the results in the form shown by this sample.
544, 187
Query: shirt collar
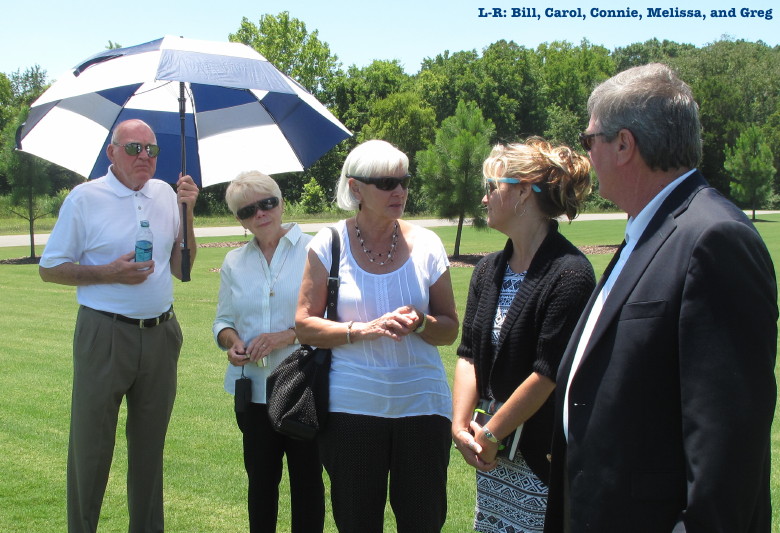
636, 226
120, 189
292, 235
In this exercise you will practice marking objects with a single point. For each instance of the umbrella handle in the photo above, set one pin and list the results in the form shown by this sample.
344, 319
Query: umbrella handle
185, 250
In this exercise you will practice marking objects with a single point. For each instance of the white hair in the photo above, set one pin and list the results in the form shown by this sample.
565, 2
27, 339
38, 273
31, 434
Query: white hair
370, 159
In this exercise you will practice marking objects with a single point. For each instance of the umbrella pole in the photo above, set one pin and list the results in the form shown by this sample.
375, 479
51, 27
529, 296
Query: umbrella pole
185, 250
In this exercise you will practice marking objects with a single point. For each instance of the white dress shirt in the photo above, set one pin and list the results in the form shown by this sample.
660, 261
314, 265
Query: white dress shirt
246, 305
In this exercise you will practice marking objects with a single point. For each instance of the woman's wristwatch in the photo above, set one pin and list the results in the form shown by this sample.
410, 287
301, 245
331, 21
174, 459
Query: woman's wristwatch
421, 326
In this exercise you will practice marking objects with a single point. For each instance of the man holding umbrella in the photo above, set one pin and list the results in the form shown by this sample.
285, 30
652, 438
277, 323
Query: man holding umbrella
127, 339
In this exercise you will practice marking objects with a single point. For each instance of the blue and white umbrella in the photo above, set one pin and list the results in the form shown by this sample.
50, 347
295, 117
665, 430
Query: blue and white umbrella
239, 112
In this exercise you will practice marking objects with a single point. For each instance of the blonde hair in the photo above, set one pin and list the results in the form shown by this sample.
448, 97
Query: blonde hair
561, 174
246, 186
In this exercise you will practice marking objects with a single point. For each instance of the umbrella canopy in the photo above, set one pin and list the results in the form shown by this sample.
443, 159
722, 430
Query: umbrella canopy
241, 113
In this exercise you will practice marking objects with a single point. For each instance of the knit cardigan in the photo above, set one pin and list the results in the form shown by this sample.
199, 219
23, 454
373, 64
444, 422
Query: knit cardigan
534, 334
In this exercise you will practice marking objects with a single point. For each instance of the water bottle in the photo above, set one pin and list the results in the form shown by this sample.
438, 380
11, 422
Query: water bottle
143, 243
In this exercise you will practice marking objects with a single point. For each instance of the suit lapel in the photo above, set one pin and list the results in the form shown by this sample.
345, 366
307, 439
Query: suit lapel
661, 226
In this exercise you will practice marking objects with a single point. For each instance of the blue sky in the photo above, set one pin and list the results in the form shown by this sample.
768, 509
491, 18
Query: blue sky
56, 35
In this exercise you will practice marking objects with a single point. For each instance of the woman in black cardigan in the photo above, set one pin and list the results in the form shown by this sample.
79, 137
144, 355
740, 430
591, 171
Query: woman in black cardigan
522, 306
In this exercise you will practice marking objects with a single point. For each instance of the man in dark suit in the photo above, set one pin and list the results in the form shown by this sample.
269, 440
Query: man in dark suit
666, 392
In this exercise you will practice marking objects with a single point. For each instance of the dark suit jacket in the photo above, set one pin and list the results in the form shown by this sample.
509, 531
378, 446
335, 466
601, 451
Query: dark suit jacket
671, 407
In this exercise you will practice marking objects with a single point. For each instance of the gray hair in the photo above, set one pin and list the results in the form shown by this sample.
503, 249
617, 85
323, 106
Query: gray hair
658, 108
246, 186
370, 159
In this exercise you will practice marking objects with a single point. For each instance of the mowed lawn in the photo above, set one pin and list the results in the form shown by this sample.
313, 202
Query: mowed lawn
205, 485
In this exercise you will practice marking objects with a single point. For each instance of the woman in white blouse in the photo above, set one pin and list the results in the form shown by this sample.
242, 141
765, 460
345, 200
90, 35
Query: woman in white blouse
255, 324
389, 397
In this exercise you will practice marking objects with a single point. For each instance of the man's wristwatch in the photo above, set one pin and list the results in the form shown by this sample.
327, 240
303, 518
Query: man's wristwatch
489, 435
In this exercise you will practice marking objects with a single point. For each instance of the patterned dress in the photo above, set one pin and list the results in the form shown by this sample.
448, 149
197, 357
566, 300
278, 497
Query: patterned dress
510, 498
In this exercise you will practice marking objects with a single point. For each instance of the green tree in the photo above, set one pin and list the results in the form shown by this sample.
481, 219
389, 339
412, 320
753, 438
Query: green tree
313, 198
750, 163
563, 126
448, 78
509, 90
407, 122
451, 169
284, 41
28, 85
570, 72
736, 83
356, 91
651, 51
27, 178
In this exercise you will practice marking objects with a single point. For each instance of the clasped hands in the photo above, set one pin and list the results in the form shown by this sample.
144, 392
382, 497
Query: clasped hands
475, 448
395, 324
240, 354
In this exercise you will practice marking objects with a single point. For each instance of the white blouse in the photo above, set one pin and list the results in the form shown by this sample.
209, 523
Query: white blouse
383, 377
246, 305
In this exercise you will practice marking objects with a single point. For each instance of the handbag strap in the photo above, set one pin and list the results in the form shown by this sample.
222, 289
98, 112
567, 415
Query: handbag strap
333, 279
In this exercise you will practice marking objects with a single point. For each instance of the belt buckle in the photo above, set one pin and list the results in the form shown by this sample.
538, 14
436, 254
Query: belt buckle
142, 322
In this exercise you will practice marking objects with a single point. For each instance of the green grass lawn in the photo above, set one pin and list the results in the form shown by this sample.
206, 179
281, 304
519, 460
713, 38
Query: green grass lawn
205, 484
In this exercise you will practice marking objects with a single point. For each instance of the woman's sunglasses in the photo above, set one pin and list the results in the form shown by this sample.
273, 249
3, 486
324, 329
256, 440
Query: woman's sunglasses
385, 183
152, 150
491, 184
266, 204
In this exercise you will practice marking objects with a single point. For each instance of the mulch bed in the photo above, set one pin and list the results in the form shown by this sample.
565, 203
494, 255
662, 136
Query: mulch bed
463, 260
20, 261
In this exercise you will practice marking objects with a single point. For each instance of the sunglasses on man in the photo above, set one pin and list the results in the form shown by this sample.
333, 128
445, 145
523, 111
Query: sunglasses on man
586, 139
385, 183
152, 150
266, 204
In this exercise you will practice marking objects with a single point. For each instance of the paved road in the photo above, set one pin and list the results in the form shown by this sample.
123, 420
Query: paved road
229, 231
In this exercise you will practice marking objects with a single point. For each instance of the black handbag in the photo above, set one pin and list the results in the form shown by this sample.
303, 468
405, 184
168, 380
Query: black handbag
298, 390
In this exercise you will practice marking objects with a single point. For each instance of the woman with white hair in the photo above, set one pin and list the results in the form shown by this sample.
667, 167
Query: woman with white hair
255, 324
389, 397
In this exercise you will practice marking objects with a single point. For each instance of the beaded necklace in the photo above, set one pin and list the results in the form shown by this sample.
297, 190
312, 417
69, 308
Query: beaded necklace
375, 258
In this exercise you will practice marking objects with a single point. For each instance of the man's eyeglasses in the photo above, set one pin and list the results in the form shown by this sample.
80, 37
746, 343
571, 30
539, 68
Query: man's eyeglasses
491, 184
152, 150
385, 183
586, 139
266, 204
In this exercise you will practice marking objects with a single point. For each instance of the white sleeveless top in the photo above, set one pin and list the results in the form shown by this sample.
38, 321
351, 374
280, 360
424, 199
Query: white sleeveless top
383, 377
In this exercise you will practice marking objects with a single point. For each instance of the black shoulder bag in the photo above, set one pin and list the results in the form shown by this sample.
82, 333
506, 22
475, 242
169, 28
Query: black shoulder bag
297, 391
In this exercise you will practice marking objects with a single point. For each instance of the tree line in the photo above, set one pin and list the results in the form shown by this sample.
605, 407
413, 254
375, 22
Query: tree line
503, 93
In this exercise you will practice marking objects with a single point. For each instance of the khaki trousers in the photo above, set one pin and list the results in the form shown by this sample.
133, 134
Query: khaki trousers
113, 360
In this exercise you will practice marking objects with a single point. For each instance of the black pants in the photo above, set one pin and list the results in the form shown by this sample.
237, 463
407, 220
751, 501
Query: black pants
360, 452
264, 449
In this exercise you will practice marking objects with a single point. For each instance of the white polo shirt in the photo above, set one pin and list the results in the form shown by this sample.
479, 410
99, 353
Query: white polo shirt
98, 223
